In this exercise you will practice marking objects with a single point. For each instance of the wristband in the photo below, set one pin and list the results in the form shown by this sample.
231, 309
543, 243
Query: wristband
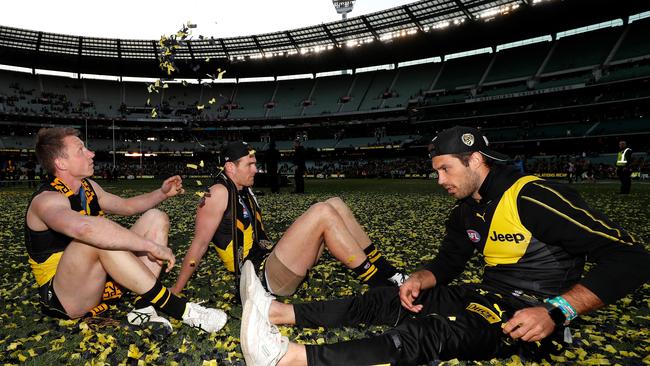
556, 314
569, 312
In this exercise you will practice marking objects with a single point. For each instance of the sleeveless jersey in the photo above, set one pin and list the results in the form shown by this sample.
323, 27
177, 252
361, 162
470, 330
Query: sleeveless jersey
244, 215
45, 248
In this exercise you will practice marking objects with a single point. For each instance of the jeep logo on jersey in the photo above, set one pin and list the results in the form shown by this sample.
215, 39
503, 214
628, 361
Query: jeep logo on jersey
474, 236
516, 237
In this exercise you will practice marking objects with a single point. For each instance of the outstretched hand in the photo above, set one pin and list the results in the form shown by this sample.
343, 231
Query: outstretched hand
172, 186
529, 324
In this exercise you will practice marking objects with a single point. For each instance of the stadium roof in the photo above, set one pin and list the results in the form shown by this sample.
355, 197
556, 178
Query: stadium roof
422, 29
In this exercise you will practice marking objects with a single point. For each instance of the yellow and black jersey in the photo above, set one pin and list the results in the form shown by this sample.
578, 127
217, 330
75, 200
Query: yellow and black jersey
45, 248
251, 242
535, 236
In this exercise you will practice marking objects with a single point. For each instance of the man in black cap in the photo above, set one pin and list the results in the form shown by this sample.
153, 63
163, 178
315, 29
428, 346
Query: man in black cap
231, 207
535, 236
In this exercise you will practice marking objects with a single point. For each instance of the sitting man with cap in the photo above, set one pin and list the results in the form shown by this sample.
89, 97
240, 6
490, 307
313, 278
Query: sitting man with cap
231, 207
535, 236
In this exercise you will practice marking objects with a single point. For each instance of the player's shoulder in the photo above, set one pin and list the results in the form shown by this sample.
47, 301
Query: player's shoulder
46, 199
218, 189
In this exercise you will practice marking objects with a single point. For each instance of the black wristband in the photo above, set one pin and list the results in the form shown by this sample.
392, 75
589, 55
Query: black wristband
556, 314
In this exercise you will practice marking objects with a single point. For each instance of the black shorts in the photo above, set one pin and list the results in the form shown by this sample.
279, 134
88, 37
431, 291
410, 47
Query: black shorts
50, 304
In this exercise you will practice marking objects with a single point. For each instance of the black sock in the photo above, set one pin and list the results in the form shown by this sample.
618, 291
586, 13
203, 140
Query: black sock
366, 272
162, 299
386, 270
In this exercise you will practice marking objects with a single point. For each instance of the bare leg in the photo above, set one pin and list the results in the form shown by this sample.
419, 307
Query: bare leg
81, 273
296, 355
350, 221
301, 245
281, 313
153, 225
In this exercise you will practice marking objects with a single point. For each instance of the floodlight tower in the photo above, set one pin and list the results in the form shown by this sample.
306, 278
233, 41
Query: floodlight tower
343, 7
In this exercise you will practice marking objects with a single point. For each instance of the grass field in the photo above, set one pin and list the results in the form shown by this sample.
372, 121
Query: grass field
405, 218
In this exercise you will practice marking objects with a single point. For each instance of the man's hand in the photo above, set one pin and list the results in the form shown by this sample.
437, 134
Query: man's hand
160, 254
530, 324
172, 186
410, 290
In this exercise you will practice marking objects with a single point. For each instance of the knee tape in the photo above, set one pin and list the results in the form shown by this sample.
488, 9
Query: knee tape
281, 280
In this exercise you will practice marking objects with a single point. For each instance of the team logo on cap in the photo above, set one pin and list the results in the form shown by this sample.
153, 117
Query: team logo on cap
468, 139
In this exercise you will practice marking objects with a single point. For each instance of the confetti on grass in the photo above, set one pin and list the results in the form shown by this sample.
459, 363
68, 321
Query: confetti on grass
407, 226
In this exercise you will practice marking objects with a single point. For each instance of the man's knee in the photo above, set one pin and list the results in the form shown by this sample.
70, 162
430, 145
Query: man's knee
336, 202
322, 210
157, 216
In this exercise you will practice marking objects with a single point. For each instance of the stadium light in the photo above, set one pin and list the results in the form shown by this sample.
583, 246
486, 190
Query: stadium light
343, 7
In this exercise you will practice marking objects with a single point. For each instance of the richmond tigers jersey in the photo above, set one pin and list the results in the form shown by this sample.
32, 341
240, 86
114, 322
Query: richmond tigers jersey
45, 248
252, 239
534, 236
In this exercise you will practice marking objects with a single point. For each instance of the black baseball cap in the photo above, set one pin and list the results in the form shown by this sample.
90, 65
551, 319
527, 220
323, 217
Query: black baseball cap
235, 150
461, 139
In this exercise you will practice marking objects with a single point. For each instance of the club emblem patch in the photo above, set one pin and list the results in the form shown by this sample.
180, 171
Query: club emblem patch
474, 236
468, 139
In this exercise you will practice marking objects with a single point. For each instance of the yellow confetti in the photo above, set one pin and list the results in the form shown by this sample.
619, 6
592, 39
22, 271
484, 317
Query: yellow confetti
198, 183
192, 166
609, 348
154, 113
212, 101
201, 164
134, 352
200, 194
200, 107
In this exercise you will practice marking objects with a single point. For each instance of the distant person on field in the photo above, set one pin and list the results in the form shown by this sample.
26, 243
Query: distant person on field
80, 259
623, 170
299, 164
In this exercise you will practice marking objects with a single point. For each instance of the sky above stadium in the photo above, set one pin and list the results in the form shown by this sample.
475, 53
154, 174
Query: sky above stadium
140, 19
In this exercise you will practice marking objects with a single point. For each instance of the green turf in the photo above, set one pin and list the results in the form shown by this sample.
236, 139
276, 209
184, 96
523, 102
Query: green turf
404, 217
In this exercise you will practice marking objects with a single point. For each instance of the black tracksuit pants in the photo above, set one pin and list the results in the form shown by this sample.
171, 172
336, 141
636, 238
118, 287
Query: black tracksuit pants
456, 322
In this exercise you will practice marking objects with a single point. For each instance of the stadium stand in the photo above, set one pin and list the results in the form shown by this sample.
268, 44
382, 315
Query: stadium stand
574, 93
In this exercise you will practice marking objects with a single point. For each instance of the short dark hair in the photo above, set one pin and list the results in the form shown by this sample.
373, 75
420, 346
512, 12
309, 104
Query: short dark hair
464, 158
49, 145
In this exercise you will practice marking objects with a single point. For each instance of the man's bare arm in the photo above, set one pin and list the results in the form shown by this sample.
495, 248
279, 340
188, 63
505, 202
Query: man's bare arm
111, 203
208, 216
52, 210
